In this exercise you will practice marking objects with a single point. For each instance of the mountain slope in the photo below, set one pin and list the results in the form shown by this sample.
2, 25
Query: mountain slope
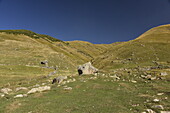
152, 46
23, 47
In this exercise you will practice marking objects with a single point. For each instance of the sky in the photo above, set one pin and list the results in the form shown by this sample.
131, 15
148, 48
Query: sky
96, 21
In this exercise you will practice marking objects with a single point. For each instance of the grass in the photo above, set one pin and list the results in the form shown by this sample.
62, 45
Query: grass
21, 52
97, 96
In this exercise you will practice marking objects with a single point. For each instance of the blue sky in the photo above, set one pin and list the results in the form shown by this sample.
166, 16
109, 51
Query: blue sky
96, 21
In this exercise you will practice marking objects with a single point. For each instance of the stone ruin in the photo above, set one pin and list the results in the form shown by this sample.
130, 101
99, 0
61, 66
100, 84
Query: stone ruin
87, 68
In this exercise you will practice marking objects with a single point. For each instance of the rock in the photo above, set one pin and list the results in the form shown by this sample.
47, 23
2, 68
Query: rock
87, 68
95, 74
59, 79
6, 90
150, 111
160, 94
166, 98
163, 73
165, 112
43, 84
133, 81
2, 95
37, 85
74, 80
158, 107
68, 88
148, 77
21, 88
156, 100
20, 95
115, 77
143, 76
153, 78
39, 89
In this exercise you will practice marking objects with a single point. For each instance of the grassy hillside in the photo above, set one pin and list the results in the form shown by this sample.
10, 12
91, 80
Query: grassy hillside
147, 50
30, 34
132, 74
90, 50
21, 49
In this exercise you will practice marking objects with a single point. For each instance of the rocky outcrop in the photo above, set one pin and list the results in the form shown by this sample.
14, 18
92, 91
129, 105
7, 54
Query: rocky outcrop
87, 68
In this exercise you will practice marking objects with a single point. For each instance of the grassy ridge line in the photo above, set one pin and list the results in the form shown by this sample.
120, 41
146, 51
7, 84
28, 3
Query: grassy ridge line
31, 34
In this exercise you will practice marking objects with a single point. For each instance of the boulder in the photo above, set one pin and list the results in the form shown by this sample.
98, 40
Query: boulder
165, 112
39, 89
6, 90
163, 73
150, 111
158, 107
21, 88
20, 95
87, 68
59, 79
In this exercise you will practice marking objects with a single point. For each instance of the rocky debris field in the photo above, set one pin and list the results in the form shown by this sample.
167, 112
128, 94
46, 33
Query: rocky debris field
153, 102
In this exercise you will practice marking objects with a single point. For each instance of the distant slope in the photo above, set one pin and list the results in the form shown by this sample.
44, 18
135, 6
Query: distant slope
88, 49
152, 46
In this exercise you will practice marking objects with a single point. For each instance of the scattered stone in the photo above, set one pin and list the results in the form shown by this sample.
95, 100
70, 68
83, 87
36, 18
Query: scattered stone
39, 89
59, 79
2, 95
95, 74
74, 79
148, 77
37, 85
115, 77
166, 98
43, 84
158, 107
6, 90
143, 76
162, 78
133, 81
20, 95
160, 94
68, 88
150, 111
156, 100
21, 88
87, 68
163, 73
165, 112
153, 78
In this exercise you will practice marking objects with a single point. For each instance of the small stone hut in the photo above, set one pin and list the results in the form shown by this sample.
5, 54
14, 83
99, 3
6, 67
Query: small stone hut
87, 68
